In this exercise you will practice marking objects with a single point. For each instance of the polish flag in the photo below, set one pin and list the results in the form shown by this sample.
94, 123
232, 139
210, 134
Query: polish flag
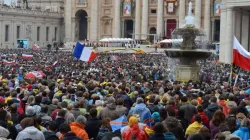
134, 57
54, 64
27, 56
241, 57
5, 62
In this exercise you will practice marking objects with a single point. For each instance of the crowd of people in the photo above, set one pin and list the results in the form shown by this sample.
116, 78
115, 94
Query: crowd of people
77, 100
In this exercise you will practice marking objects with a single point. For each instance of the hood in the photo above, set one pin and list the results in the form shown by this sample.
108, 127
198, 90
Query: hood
135, 128
231, 104
213, 107
140, 107
222, 102
169, 136
111, 106
244, 129
4, 132
31, 130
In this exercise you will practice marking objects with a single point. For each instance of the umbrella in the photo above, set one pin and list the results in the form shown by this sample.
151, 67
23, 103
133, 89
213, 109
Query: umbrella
34, 74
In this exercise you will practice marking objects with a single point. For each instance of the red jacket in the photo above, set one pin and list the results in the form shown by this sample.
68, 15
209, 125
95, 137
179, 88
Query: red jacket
134, 132
204, 119
223, 104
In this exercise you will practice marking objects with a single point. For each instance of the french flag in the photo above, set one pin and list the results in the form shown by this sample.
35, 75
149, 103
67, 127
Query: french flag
5, 62
83, 53
241, 57
27, 56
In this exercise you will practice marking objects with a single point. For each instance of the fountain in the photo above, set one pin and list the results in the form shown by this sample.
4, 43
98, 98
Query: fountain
188, 54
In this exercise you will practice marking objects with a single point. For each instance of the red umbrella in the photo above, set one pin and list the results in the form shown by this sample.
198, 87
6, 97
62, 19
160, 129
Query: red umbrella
34, 74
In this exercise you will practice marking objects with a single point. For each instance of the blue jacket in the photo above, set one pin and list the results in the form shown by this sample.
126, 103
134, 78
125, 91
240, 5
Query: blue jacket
243, 133
141, 110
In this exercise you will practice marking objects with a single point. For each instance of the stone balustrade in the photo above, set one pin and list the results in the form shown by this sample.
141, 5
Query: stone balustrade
20, 11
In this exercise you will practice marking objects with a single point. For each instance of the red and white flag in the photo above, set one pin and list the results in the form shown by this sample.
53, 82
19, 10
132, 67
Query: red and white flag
134, 57
115, 58
5, 62
241, 57
35, 47
54, 64
27, 56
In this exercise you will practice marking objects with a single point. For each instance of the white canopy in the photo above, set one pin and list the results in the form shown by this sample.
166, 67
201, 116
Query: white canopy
116, 40
172, 41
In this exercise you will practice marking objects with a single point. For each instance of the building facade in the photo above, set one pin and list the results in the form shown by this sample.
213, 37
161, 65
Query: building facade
234, 22
48, 21
138, 19
41, 24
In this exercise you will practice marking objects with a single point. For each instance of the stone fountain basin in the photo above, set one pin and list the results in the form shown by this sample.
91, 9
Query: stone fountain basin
189, 54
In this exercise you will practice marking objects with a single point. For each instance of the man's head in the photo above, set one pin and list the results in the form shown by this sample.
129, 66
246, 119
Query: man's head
139, 100
64, 128
213, 99
81, 120
93, 112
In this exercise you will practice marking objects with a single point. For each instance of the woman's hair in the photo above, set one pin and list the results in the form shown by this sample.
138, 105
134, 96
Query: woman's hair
231, 122
159, 128
27, 122
197, 118
31, 99
218, 118
105, 123
245, 122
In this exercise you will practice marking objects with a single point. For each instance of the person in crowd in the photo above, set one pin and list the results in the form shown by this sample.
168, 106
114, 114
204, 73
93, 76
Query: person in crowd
224, 130
195, 126
204, 118
66, 133
161, 133
189, 110
29, 130
78, 127
60, 119
212, 108
93, 124
231, 103
11, 128
120, 107
50, 134
218, 118
134, 131
110, 110
243, 131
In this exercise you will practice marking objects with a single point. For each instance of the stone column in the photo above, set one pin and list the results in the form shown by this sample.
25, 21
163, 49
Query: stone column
229, 36
160, 10
223, 21
207, 18
198, 13
144, 24
182, 12
73, 29
94, 20
67, 20
117, 19
245, 29
138, 20
238, 24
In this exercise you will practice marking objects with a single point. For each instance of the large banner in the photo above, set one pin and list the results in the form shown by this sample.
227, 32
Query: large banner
22, 44
170, 6
217, 8
127, 9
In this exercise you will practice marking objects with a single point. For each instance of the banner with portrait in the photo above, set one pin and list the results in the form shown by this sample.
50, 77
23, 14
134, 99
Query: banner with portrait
170, 6
127, 8
217, 8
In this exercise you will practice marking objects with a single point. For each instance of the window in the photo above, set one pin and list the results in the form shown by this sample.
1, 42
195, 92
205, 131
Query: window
38, 34
18, 32
47, 33
55, 34
6, 33
153, 11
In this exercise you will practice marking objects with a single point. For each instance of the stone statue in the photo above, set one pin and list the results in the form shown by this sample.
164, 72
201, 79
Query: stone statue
25, 2
189, 18
28, 32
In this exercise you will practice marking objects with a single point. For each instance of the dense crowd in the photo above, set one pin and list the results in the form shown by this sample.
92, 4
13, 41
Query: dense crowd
77, 100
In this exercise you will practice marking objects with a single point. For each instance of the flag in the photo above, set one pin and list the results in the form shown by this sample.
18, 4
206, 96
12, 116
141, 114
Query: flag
5, 62
134, 57
147, 119
27, 56
54, 64
235, 70
114, 58
241, 57
35, 47
83, 53
119, 123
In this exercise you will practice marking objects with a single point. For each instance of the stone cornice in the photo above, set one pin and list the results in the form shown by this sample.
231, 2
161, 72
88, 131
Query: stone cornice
30, 13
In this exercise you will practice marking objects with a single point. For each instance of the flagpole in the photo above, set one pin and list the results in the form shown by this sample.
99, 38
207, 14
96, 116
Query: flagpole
236, 79
231, 76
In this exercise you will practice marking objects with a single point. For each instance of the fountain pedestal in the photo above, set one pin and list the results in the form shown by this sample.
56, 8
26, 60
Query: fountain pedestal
185, 73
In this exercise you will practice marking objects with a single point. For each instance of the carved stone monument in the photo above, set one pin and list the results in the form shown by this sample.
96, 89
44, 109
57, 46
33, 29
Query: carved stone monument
188, 54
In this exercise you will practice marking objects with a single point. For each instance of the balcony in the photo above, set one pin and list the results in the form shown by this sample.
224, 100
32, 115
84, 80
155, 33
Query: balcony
81, 3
